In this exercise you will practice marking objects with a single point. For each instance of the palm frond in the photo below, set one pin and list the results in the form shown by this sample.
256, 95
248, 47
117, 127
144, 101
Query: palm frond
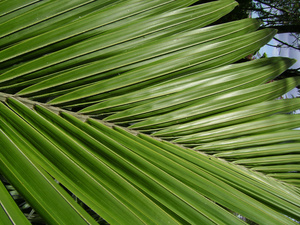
139, 110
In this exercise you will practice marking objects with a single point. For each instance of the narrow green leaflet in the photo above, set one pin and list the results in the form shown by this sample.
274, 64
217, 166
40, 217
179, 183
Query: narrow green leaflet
114, 13
220, 103
251, 140
293, 182
271, 154
140, 204
55, 135
214, 80
49, 23
192, 214
7, 6
98, 47
242, 180
290, 178
206, 178
153, 49
61, 166
99, 135
286, 176
139, 112
270, 160
9, 210
263, 125
278, 168
68, 128
232, 117
279, 149
22, 171
44, 12
209, 55
185, 97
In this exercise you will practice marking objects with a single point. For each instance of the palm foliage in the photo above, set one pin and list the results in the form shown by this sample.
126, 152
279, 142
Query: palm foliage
135, 108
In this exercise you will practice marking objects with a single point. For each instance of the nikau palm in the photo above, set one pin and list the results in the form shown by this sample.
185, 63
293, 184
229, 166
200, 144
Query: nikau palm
136, 108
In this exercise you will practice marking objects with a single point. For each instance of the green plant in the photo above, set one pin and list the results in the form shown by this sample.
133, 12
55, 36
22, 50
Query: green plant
76, 74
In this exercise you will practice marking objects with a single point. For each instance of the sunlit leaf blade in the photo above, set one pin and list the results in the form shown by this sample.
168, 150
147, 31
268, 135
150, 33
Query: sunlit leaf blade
44, 12
290, 177
285, 175
115, 12
250, 140
210, 81
278, 168
279, 149
270, 160
188, 58
231, 117
160, 105
294, 182
44, 21
153, 49
263, 125
154, 67
7, 6
219, 103
117, 40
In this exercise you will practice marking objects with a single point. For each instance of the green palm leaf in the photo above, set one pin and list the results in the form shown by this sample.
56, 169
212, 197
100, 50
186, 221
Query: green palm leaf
159, 69
9, 211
